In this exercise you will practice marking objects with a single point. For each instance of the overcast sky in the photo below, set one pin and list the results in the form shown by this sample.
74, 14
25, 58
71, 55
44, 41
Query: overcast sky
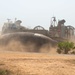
37, 12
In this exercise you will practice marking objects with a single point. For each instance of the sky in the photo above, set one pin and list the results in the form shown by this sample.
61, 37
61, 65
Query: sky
37, 12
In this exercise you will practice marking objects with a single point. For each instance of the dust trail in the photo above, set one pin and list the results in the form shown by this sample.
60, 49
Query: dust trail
28, 47
17, 46
72, 39
26, 42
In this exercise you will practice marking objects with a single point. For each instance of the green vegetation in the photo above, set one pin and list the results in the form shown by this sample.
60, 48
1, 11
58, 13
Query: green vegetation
4, 72
65, 47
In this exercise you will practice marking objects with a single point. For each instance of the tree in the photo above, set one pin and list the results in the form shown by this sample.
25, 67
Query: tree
64, 47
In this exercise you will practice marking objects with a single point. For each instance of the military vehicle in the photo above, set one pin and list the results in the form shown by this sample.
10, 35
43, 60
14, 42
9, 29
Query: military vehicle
28, 40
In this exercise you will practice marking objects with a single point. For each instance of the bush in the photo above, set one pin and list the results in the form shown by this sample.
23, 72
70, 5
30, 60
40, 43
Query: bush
4, 72
59, 51
64, 47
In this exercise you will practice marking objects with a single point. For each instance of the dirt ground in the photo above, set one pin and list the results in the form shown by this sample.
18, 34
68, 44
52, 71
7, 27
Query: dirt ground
19, 63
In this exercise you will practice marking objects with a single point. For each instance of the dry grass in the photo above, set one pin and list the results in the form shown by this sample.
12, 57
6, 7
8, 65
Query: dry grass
37, 63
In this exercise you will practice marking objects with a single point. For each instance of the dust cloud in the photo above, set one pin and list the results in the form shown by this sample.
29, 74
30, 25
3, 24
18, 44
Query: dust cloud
21, 44
28, 47
72, 39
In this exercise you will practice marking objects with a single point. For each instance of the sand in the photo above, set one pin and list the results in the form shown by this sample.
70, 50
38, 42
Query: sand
19, 63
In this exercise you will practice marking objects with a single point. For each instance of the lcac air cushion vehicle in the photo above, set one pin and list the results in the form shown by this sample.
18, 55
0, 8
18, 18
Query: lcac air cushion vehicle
14, 37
